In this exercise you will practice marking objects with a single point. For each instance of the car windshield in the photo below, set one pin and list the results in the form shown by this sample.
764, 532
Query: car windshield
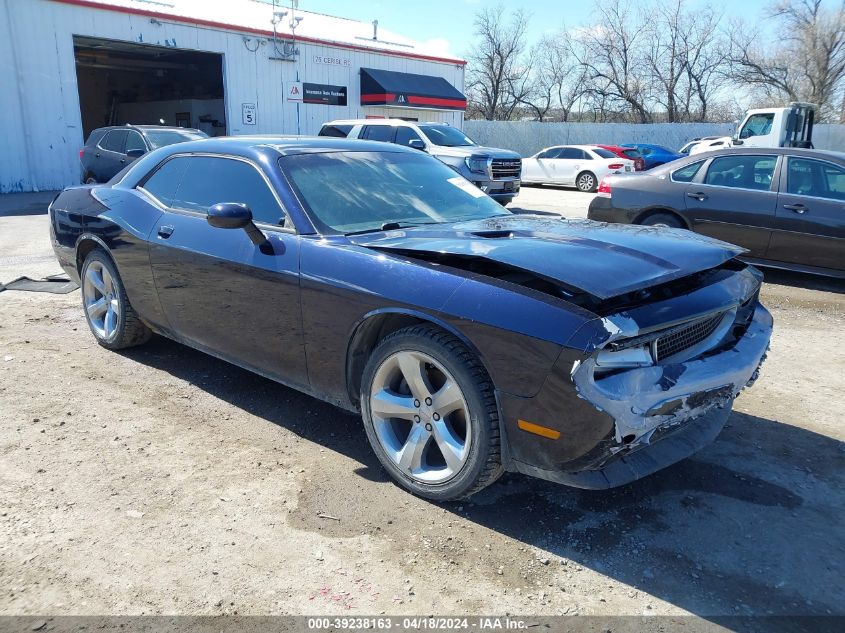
160, 138
603, 152
354, 192
446, 136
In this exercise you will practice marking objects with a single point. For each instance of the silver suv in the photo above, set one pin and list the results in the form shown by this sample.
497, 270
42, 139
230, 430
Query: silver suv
496, 172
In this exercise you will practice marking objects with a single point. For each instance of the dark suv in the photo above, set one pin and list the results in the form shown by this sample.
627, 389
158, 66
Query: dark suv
110, 149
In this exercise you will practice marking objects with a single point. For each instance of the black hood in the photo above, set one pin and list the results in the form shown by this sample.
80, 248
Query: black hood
604, 260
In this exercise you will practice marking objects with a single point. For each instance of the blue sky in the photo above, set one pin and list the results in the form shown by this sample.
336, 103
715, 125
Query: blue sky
448, 23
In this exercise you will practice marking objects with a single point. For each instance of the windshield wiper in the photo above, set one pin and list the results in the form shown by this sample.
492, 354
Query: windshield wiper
391, 226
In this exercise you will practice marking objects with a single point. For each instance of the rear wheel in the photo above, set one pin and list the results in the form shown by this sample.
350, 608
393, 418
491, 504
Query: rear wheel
112, 320
430, 414
586, 182
666, 220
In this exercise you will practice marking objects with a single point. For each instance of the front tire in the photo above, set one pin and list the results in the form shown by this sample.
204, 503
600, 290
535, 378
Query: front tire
110, 316
587, 182
430, 414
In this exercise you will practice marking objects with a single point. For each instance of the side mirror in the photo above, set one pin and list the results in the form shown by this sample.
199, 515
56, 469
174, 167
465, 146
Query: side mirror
135, 153
229, 215
737, 141
416, 143
234, 215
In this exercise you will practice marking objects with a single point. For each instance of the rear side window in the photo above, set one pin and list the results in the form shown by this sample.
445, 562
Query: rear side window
815, 178
743, 172
165, 180
599, 151
114, 141
571, 153
379, 133
209, 180
686, 174
631, 153
339, 131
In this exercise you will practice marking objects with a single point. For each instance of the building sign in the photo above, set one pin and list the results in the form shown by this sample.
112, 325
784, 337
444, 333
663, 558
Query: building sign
294, 91
332, 61
324, 94
248, 113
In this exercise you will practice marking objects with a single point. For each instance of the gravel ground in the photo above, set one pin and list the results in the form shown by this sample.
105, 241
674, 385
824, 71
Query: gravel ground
161, 480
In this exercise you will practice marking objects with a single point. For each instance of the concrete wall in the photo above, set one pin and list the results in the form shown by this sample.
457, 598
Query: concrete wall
40, 119
529, 137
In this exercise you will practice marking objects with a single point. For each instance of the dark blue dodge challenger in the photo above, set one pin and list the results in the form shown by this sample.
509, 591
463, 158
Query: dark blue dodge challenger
471, 340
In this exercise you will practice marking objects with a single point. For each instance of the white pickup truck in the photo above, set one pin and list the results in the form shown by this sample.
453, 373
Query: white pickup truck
791, 126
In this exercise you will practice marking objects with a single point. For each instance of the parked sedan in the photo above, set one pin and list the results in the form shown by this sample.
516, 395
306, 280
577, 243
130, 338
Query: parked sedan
582, 166
628, 153
654, 155
110, 149
471, 340
786, 206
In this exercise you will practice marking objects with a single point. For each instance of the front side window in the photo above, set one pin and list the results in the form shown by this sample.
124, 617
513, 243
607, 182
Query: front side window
550, 153
446, 136
161, 138
114, 141
404, 136
815, 178
339, 130
209, 180
687, 173
757, 125
743, 172
134, 141
351, 192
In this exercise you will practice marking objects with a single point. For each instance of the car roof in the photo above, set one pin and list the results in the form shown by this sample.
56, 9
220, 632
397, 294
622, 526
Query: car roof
779, 151
260, 149
131, 126
382, 122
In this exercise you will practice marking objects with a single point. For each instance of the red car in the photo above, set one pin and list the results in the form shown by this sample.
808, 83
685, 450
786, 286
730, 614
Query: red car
627, 152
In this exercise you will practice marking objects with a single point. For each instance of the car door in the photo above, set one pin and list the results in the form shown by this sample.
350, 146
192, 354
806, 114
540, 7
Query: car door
735, 200
566, 165
384, 133
810, 217
108, 155
540, 168
218, 290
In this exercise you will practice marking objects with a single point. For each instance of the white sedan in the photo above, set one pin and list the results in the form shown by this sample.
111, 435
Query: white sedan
583, 166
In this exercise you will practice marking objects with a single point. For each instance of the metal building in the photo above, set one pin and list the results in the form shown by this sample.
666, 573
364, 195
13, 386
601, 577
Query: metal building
233, 67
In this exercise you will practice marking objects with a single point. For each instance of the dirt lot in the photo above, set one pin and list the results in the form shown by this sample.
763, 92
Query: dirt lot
161, 480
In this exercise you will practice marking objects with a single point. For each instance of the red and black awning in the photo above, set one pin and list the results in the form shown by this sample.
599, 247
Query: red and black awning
406, 90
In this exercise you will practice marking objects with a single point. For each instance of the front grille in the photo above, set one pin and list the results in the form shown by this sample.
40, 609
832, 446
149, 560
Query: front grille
506, 168
685, 337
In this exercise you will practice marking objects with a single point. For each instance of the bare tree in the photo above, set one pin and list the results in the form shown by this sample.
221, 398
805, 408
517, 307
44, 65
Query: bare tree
499, 70
556, 80
611, 54
684, 56
808, 61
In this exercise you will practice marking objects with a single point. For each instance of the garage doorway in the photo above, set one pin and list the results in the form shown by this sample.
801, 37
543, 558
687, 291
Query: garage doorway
141, 84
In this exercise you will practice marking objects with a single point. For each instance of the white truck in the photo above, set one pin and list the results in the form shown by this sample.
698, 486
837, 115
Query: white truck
791, 126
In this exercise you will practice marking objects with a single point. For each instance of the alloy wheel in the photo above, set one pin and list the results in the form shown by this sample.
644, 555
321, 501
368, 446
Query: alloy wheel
585, 182
420, 417
100, 298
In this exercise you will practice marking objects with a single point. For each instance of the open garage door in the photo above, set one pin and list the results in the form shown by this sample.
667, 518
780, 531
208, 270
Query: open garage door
125, 82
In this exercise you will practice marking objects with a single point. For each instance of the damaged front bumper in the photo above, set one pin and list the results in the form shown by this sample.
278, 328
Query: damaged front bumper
627, 424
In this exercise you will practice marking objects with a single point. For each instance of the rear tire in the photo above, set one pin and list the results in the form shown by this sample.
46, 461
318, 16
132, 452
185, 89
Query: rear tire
587, 182
665, 220
110, 316
422, 389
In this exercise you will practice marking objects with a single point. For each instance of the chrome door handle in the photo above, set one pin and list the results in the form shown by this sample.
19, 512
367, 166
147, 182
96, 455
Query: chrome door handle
798, 208
165, 231
698, 195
